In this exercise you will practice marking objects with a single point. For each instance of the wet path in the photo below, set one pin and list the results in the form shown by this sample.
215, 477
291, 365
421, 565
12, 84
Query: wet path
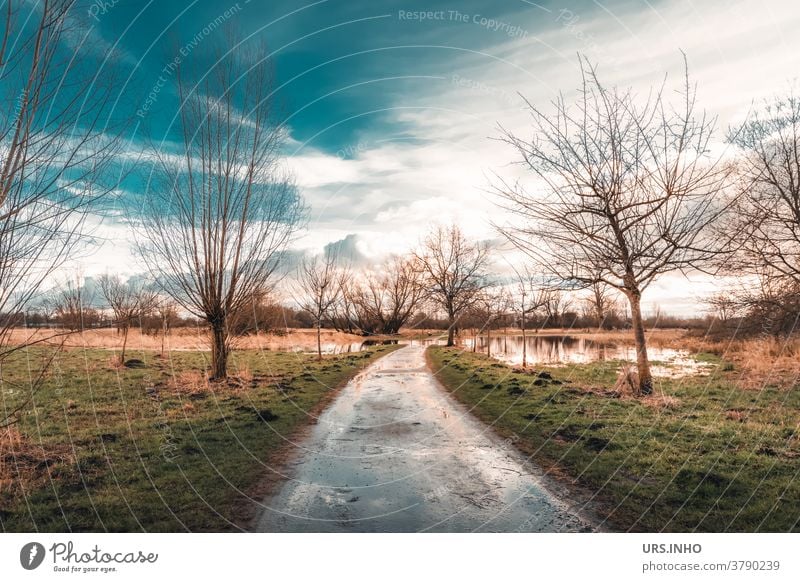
396, 453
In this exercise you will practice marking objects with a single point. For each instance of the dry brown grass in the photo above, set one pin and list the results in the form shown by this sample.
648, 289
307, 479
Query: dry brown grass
196, 384
753, 362
25, 465
189, 382
756, 362
10, 442
627, 387
184, 339
661, 402
628, 381
737, 415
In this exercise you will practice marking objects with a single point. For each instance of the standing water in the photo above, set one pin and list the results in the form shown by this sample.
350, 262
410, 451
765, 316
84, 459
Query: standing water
557, 350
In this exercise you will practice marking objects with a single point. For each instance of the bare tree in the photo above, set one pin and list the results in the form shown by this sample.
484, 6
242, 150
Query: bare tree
494, 302
600, 302
365, 302
628, 192
345, 313
128, 301
385, 301
529, 296
403, 290
320, 286
453, 272
763, 229
220, 210
47, 310
57, 145
556, 303
70, 304
724, 306
167, 311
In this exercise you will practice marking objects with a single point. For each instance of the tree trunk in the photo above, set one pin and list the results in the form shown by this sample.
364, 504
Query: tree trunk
319, 342
451, 330
642, 363
124, 344
219, 351
488, 341
598, 305
524, 343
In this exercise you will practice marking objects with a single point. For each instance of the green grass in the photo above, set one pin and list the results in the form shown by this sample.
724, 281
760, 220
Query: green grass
106, 453
718, 458
707, 357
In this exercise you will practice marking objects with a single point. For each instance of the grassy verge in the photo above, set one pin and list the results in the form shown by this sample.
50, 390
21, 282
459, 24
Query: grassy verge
703, 455
156, 448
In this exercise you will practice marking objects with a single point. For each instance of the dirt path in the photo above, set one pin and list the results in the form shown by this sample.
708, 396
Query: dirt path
396, 453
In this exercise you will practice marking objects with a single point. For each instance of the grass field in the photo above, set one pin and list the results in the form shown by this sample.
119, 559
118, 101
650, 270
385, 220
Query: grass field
156, 448
703, 454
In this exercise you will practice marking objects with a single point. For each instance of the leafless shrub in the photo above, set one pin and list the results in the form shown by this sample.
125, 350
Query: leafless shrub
628, 381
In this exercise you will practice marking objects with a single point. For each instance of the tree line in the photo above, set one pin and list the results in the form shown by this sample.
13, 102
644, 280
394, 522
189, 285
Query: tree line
621, 189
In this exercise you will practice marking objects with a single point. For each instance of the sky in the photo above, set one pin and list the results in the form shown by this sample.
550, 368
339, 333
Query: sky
393, 108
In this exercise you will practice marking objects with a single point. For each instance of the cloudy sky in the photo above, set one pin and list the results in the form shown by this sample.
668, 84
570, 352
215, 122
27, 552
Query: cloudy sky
393, 114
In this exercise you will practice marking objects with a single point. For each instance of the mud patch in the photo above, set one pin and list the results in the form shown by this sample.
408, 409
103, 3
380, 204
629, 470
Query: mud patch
266, 415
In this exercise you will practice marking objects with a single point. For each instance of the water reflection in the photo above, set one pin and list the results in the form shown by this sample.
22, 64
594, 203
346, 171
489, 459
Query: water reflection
342, 347
564, 349
370, 342
434, 340
329, 348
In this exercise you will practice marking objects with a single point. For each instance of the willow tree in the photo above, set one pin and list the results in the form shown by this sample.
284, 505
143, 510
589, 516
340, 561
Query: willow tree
220, 209
626, 190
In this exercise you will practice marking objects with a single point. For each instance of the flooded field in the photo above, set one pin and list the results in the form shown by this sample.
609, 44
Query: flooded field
328, 348
357, 346
338, 347
554, 350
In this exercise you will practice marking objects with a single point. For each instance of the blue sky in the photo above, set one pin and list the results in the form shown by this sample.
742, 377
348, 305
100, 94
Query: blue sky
391, 113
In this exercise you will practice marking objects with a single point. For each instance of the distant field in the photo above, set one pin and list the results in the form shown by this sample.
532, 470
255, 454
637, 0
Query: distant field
184, 338
702, 454
156, 448
197, 339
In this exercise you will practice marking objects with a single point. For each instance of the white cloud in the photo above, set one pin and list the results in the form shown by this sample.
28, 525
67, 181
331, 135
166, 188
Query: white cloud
392, 190
435, 161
